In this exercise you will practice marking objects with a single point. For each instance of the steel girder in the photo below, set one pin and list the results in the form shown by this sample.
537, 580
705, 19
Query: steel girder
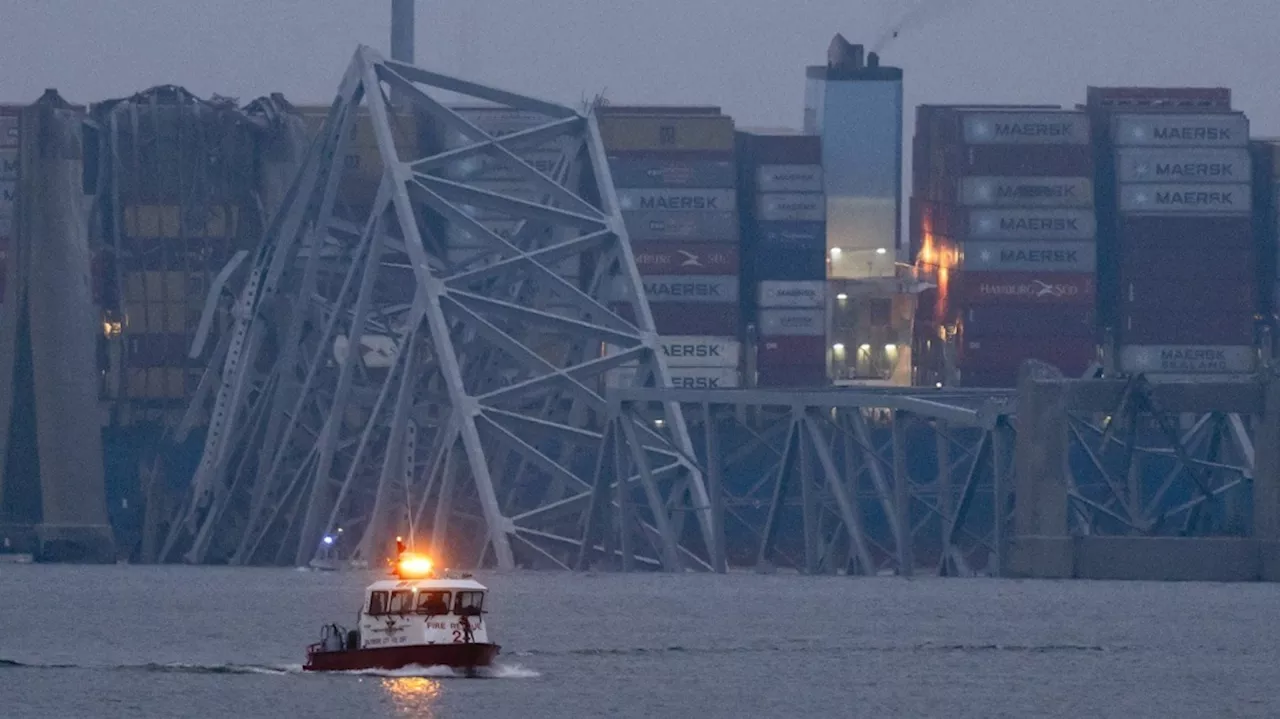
862, 481
406, 367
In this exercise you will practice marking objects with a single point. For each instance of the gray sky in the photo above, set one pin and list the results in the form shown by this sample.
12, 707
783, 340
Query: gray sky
749, 60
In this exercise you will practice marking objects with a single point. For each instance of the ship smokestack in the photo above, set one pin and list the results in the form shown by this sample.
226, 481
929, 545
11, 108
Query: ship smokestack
843, 55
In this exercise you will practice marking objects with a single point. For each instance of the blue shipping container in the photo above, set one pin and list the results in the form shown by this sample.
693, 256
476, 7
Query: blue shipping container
773, 262
792, 235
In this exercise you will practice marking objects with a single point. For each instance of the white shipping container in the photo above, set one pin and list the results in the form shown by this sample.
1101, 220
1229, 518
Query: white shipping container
1045, 224
663, 199
1188, 359
789, 178
1026, 191
1026, 128
793, 323
696, 351
689, 289
1186, 199
777, 293
682, 377
1183, 165
1180, 130
791, 207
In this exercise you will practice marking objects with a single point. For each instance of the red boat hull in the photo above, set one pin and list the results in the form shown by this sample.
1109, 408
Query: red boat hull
457, 656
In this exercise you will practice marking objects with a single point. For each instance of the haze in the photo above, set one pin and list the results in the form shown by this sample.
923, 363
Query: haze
747, 55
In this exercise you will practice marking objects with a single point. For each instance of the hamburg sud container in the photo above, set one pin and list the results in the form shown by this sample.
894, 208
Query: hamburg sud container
1187, 257
1010, 210
674, 173
783, 213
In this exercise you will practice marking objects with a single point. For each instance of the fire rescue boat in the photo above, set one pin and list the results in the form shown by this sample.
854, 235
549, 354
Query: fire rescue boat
419, 618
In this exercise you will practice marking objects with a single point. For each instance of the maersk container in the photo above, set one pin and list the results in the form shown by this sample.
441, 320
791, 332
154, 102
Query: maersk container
695, 226
791, 207
677, 200
643, 132
1017, 161
1149, 129
791, 235
672, 170
771, 262
1188, 359
682, 377
1193, 165
1049, 288
1185, 199
691, 289
696, 350
686, 258
1032, 224
1025, 128
1026, 192
788, 322
789, 178
681, 318
804, 294
1029, 256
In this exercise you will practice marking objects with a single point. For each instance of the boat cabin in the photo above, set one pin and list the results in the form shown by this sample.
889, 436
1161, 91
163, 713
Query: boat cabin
400, 612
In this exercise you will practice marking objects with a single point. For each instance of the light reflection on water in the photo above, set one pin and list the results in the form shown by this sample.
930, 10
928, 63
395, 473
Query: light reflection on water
413, 696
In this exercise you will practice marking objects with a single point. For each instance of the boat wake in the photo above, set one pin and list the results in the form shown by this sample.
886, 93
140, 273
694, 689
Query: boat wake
498, 671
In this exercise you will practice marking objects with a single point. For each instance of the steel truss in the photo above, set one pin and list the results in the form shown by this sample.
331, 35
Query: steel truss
871, 480
482, 424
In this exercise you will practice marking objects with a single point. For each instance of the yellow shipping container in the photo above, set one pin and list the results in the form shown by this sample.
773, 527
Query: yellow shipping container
646, 133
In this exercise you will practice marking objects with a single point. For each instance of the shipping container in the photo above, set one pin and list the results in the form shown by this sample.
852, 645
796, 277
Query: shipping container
1157, 97
760, 148
1149, 129
9, 125
666, 132
1229, 165
791, 207
792, 235
672, 170
1036, 255
1025, 287
1188, 359
1025, 128
789, 376
1155, 231
682, 377
1044, 320
774, 293
789, 178
1032, 224
8, 165
696, 350
697, 226
1144, 326
691, 289
1071, 355
1026, 192
797, 350
686, 258
679, 318
1203, 199
669, 200
1190, 293
1017, 161
775, 322
489, 169
788, 264
499, 121
1180, 264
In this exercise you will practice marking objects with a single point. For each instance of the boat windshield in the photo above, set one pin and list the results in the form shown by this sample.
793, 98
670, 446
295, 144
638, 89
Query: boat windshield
469, 603
433, 603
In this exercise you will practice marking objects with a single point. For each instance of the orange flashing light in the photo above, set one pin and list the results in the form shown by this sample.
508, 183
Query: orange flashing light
414, 565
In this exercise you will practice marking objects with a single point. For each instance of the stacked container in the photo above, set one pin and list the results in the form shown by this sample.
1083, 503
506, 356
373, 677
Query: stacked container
1003, 223
783, 212
8, 184
1179, 187
673, 170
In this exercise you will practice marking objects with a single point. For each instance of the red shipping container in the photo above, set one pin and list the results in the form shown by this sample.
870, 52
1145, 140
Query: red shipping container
1187, 262
674, 318
1173, 327
792, 351
1028, 321
1195, 294
792, 376
1021, 160
1052, 288
1162, 233
1072, 355
686, 258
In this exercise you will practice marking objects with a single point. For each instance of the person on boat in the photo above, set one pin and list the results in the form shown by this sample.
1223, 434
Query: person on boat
467, 636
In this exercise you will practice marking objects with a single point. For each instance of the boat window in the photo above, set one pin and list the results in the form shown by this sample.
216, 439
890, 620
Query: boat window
378, 603
401, 602
433, 603
469, 603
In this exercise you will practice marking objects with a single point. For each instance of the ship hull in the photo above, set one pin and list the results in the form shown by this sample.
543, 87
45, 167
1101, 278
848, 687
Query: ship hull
456, 656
